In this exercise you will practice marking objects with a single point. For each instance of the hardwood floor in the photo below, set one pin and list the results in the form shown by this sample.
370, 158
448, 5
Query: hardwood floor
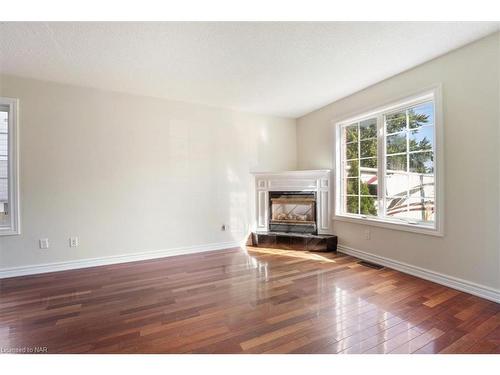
238, 301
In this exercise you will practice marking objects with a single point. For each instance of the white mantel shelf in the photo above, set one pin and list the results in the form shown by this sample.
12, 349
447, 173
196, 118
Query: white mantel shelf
305, 172
305, 180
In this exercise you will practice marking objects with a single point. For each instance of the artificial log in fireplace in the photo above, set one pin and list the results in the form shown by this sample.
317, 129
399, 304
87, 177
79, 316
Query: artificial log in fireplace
292, 211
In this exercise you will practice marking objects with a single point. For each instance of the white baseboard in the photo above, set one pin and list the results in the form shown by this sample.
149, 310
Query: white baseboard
450, 281
439, 278
103, 261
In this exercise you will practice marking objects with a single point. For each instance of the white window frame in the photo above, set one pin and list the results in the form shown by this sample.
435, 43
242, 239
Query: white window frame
13, 227
431, 93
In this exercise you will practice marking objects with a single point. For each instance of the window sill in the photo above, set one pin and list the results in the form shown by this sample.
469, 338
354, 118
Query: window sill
406, 227
6, 231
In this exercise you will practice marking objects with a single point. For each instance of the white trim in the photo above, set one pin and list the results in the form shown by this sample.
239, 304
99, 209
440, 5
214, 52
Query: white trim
304, 172
114, 259
433, 92
387, 224
302, 180
387, 104
13, 168
439, 278
408, 100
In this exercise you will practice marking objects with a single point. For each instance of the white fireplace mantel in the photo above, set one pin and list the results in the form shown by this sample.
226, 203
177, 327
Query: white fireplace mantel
307, 180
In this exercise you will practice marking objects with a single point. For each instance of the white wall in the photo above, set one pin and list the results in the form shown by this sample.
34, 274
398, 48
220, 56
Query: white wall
470, 248
129, 174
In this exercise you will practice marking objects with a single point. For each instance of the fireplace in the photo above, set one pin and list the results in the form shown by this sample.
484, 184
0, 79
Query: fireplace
292, 211
304, 195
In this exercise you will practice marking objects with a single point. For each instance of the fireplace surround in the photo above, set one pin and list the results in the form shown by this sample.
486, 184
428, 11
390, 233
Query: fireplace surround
307, 189
292, 211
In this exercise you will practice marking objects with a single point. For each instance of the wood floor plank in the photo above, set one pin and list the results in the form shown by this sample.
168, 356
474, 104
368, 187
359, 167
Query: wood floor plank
248, 300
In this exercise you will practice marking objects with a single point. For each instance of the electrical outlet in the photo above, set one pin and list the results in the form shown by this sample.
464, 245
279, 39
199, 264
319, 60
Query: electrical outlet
73, 242
367, 234
44, 243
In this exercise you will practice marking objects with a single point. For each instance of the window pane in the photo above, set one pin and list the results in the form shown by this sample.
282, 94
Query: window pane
421, 209
368, 149
422, 162
415, 209
3, 144
352, 151
352, 168
359, 141
421, 139
351, 133
352, 205
3, 190
421, 185
369, 163
397, 207
395, 122
368, 128
396, 143
4, 123
396, 184
4, 176
3, 167
396, 163
410, 195
3, 196
368, 206
368, 183
352, 186
420, 115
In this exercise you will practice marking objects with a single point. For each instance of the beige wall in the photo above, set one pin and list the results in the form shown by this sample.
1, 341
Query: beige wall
129, 174
470, 247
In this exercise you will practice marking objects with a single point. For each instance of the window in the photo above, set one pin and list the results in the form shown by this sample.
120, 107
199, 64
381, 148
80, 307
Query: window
387, 166
9, 195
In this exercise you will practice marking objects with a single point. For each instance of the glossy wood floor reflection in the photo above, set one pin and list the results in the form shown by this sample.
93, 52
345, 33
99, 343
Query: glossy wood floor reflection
238, 301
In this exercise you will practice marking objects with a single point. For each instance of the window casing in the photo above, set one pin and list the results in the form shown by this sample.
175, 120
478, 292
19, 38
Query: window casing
388, 165
9, 187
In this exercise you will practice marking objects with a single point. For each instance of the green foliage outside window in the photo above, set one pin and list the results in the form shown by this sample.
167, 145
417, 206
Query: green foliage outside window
406, 137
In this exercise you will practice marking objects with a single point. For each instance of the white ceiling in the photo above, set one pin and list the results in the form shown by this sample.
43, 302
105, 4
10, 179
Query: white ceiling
285, 69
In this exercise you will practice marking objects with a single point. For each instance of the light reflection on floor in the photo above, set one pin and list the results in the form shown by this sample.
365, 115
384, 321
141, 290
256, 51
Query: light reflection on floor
290, 253
351, 321
336, 311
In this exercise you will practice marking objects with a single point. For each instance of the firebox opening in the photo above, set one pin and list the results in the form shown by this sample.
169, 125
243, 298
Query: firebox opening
293, 211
